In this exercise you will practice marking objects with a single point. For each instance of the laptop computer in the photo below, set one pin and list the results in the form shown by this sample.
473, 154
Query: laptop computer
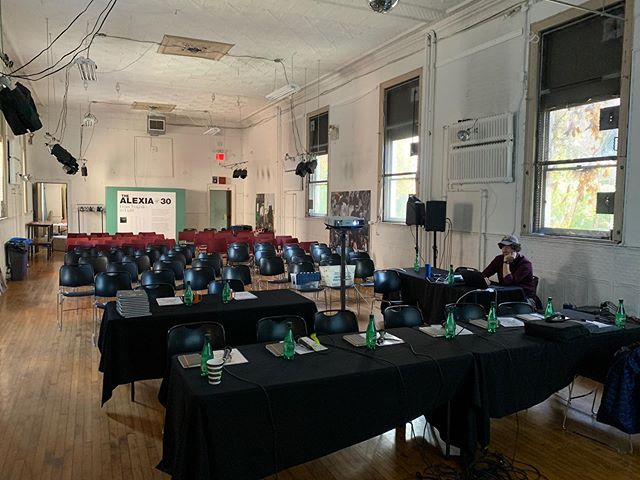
473, 279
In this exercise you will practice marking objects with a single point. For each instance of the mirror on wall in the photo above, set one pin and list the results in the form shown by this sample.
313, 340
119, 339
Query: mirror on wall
50, 204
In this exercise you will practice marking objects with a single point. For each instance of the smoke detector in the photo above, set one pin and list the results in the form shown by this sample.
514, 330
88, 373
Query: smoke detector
193, 47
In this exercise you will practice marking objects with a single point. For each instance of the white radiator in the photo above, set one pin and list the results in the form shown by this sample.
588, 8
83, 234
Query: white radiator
481, 151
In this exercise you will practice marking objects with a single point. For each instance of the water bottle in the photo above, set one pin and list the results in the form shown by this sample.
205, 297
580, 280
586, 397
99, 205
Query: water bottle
450, 278
492, 320
621, 316
548, 311
206, 354
370, 334
450, 326
188, 295
416, 263
289, 347
427, 271
226, 293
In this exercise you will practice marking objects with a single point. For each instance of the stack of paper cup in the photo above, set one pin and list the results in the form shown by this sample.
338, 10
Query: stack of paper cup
214, 368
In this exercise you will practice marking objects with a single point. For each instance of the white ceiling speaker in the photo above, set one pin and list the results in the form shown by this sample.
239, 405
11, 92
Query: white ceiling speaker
382, 6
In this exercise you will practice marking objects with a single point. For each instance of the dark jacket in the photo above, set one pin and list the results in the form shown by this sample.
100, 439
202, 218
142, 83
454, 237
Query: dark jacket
521, 273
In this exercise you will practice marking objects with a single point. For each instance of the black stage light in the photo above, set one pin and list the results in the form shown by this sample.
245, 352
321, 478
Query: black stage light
301, 169
243, 174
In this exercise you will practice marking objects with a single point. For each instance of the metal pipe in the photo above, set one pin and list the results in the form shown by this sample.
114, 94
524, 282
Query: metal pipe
585, 9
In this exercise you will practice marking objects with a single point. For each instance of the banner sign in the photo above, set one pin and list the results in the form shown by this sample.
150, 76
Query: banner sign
147, 212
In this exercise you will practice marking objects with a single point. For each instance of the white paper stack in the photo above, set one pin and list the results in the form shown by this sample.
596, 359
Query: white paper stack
132, 303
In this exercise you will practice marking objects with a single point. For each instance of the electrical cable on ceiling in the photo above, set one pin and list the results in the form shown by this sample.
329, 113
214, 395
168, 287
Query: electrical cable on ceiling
75, 52
50, 43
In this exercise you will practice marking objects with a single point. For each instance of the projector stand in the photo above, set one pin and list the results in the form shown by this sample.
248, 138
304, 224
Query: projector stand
417, 244
343, 269
435, 250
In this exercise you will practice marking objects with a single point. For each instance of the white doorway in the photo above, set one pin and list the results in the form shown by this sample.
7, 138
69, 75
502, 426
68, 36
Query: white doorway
221, 206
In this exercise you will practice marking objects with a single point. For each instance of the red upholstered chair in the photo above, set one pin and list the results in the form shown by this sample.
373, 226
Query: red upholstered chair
306, 246
282, 239
187, 235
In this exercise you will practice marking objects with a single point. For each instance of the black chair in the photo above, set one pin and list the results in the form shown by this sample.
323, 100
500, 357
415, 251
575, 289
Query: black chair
507, 309
353, 256
273, 267
215, 287
143, 262
348, 250
263, 246
289, 253
198, 263
177, 256
154, 254
187, 338
300, 259
71, 258
301, 267
158, 290
402, 316
176, 265
86, 251
112, 255
99, 264
386, 288
317, 252
199, 277
128, 250
264, 253
107, 285
465, 311
274, 329
128, 267
152, 277
317, 246
238, 253
213, 259
160, 248
74, 281
328, 259
189, 251
335, 321
238, 272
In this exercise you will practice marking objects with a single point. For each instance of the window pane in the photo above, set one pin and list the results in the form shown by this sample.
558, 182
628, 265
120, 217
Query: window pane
318, 199
571, 194
396, 191
398, 156
575, 133
321, 172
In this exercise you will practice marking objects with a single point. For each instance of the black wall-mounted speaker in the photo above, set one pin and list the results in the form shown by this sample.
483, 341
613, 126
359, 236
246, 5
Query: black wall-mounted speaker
415, 211
436, 216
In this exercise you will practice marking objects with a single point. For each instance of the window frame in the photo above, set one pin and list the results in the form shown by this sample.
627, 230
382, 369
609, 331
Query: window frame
310, 183
533, 125
384, 143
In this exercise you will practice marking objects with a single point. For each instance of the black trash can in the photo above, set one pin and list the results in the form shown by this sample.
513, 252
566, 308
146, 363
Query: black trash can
16, 253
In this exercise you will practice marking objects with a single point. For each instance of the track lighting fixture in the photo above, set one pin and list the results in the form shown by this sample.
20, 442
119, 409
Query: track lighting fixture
240, 173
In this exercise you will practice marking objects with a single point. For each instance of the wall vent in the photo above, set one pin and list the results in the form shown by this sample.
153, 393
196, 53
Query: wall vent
481, 151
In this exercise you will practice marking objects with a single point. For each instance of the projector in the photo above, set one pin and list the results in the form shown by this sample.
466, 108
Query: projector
345, 222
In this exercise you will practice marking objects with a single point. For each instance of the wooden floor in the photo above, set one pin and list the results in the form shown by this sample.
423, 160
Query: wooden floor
52, 425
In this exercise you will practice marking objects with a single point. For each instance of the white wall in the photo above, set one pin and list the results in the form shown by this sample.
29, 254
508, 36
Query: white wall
111, 162
480, 70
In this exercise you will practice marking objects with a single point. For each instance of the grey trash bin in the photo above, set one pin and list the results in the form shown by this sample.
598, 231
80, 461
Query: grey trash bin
17, 255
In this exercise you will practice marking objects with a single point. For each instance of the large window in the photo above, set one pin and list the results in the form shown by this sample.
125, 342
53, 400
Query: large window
401, 104
318, 137
578, 126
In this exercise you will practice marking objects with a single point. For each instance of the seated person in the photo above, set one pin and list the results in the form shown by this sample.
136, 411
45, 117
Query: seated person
513, 269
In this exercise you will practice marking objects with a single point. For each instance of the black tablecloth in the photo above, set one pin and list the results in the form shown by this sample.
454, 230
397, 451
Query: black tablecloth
432, 297
134, 349
318, 403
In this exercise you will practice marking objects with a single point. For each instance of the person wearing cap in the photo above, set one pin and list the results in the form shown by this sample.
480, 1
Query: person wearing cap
512, 268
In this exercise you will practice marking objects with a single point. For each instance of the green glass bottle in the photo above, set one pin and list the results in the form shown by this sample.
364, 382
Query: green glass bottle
226, 293
206, 354
450, 278
289, 347
548, 311
621, 315
450, 326
370, 334
416, 263
188, 295
492, 319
